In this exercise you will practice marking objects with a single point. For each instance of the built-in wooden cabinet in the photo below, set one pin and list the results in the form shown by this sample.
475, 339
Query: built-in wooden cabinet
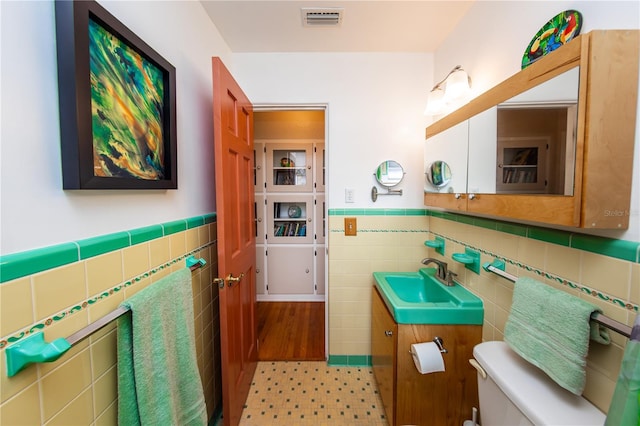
411, 398
584, 178
290, 222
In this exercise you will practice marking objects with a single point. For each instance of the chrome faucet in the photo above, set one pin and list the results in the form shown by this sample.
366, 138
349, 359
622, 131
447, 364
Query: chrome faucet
443, 274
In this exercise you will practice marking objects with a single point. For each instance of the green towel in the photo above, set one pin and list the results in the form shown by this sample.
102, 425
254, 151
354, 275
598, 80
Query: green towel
625, 404
551, 329
158, 378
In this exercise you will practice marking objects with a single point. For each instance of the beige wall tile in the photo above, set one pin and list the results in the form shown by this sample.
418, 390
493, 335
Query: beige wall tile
599, 389
104, 272
192, 239
22, 409
11, 386
58, 289
564, 262
106, 389
65, 383
532, 252
16, 308
104, 353
78, 412
612, 276
635, 283
177, 244
159, 251
108, 417
135, 260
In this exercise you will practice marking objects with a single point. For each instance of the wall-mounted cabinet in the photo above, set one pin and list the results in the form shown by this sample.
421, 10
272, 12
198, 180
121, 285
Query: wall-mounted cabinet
552, 144
290, 221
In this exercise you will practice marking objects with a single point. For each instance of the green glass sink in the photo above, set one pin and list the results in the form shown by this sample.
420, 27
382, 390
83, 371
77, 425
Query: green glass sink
419, 298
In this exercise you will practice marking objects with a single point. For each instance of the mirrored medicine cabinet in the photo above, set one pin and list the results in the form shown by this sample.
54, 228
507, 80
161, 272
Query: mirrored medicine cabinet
552, 144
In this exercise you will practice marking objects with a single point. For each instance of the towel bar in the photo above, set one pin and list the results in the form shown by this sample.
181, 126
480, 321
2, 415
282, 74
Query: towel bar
601, 319
34, 348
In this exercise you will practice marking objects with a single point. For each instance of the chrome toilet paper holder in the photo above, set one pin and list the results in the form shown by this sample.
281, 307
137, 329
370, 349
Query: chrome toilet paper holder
440, 344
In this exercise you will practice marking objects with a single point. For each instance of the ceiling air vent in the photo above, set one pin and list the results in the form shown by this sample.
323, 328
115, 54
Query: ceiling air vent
322, 17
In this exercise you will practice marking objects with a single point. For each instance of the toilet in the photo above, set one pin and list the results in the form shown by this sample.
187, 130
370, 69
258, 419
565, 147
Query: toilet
515, 392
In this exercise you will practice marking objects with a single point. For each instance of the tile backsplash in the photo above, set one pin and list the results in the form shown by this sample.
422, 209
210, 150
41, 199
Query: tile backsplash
58, 290
603, 271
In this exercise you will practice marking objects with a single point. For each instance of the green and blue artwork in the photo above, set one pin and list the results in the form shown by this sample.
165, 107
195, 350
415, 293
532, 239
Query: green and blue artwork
127, 104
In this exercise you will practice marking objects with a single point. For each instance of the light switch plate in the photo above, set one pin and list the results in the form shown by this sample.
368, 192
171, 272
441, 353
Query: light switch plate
350, 226
349, 196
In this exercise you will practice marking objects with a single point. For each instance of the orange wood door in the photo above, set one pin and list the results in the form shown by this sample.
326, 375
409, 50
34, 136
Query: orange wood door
233, 139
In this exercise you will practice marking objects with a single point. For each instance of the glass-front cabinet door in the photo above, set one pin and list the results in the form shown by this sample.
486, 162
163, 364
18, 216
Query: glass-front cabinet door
289, 168
290, 219
320, 167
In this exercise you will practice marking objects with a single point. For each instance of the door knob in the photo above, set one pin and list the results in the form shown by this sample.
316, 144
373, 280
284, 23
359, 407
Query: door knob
231, 279
219, 281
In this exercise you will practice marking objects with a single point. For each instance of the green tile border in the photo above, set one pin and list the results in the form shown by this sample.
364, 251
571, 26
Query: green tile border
616, 248
18, 265
53, 319
22, 264
349, 361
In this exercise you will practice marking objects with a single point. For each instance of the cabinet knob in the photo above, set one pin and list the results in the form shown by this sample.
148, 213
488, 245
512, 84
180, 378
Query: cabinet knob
309, 167
458, 195
258, 167
472, 196
309, 220
259, 219
307, 270
388, 333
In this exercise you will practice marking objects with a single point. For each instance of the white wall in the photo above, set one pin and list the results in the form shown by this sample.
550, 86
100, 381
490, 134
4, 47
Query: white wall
375, 112
34, 210
490, 40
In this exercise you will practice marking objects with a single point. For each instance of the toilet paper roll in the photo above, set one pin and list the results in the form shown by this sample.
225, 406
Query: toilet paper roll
427, 357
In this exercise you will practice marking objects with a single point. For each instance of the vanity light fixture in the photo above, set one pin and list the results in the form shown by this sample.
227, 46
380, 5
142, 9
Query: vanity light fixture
454, 89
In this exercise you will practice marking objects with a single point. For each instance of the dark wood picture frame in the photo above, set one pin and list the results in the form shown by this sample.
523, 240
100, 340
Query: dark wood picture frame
87, 154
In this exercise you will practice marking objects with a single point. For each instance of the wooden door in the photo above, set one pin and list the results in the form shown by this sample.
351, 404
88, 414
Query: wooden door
233, 140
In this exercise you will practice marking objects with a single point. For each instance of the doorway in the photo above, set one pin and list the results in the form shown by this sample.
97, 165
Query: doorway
290, 227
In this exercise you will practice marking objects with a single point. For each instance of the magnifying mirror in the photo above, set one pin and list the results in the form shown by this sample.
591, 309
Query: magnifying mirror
388, 174
439, 174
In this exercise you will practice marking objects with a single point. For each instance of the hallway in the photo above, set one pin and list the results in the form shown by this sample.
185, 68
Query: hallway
291, 331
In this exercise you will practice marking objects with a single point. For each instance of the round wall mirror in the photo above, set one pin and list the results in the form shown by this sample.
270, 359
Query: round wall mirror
389, 173
439, 174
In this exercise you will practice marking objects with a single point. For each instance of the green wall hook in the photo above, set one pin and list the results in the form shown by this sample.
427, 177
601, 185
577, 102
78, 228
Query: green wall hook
194, 263
34, 349
437, 244
470, 259
497, 263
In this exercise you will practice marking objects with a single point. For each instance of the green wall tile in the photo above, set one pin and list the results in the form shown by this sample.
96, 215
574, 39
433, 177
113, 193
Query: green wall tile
21, 264
338, 360
512, 229
175, 226
416, 212
485, 223
621, 249
148, 233
465, 219
104, 244
210, 218
358, 361
550, 236
29, 262
194, 222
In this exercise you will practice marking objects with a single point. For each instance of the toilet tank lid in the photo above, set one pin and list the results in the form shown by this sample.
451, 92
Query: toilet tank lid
539, 398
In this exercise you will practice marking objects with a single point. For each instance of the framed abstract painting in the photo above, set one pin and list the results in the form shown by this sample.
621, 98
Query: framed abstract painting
117, 99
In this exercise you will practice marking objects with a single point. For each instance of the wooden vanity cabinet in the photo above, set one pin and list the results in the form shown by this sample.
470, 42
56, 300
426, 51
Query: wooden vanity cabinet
411, 398
606, 122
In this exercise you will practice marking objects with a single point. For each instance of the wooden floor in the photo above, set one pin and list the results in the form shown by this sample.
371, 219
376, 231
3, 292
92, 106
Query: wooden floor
291, 331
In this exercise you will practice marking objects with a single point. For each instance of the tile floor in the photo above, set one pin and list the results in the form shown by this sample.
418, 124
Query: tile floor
301, 393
